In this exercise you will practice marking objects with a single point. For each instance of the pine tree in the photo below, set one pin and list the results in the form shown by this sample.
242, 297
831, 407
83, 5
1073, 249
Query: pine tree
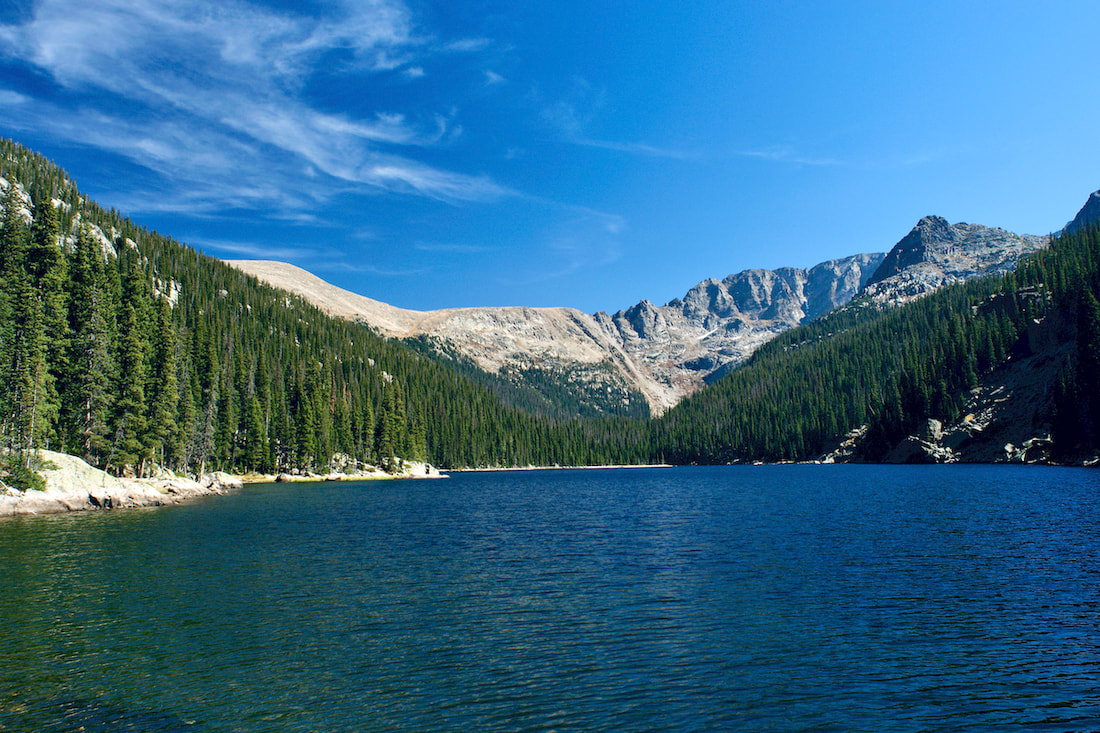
305, 425
86, 398
46, 265
28, 372
225, 436
131, 445
256, 439
164, 394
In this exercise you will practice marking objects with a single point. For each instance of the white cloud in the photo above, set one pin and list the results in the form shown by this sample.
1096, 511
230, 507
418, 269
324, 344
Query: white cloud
492, 78
253, 250
217, 90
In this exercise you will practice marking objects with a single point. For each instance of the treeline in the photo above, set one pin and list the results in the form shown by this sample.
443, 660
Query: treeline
131, 350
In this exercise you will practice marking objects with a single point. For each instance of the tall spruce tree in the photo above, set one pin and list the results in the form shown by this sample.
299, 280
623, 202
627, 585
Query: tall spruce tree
86, 396
164, 395
46, 265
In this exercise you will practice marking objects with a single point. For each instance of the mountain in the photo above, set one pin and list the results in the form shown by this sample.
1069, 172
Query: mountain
995, 369
719, 323
1089, 215
662, 353
655, 353
559, 341
935, 253
133, 351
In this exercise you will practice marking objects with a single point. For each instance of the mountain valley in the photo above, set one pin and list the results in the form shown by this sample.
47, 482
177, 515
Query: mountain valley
662, 353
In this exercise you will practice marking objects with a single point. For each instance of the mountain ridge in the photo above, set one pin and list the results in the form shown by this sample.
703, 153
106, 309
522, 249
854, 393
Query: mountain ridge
663, 353
935, 253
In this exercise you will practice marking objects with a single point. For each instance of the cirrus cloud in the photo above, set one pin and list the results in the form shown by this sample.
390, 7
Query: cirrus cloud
217, 96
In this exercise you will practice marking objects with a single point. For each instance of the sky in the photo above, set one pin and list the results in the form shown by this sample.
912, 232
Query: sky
591, 154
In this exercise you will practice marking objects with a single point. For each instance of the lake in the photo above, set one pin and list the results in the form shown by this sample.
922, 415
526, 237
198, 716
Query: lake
780, 598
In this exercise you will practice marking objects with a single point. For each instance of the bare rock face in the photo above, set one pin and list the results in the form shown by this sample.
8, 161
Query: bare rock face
562, 341
664, 352
720, 323
73, 485
1089, 215
936, 253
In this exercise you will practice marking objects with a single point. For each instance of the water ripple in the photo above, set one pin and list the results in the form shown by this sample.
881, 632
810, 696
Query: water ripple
742, 598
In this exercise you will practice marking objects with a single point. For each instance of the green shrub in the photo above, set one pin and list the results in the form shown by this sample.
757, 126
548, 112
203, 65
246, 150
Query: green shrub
18, 476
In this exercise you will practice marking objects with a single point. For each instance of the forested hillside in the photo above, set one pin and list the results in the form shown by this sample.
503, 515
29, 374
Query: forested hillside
131, 350
890, 369
127, 348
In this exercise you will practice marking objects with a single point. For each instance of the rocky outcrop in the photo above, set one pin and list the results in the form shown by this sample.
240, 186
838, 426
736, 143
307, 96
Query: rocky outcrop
720, 323
1089, 215
73, 485
1006, 418
935, 253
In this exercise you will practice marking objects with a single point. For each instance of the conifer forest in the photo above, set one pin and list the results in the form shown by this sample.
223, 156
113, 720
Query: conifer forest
133, 351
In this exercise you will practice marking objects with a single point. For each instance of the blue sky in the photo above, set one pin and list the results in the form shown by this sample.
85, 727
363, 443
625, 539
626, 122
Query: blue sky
590, 154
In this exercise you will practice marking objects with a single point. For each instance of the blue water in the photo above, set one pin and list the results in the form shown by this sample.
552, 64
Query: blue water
772, 598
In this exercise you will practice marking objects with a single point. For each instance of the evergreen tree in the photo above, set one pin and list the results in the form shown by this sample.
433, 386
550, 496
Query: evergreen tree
46, 265
164, 395
225, 437
86, 396
305, 423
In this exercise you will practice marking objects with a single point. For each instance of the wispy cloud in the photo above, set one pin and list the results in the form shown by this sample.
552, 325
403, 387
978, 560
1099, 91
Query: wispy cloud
251, 250
8, 97
204, 93
340, 264
787, 154
467, 45
574, 115
449, 248
644, 149
583, 241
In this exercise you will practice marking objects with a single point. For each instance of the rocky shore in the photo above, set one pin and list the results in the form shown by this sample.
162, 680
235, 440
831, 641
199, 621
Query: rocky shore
360, 472
72, 485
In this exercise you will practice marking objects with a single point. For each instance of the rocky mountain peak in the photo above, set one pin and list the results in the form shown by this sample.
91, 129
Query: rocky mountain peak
719, 323
1089, 215
930, 233
935, 253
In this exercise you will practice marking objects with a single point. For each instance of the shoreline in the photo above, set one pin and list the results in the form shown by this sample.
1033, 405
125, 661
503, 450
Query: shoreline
72, 485
75, 486
411, 470
561, 468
